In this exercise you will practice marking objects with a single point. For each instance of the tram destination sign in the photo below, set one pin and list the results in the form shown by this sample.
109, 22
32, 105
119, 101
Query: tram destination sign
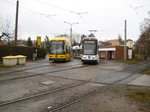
90, 42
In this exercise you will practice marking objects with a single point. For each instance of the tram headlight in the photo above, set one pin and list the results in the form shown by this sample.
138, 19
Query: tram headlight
84, 57
95, 57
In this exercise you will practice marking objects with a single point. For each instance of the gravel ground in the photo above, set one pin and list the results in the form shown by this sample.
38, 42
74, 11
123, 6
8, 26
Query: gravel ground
112, 100
41, 104
28, 86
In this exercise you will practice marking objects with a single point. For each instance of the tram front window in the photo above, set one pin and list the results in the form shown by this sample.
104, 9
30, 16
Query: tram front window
57, 47
89, 49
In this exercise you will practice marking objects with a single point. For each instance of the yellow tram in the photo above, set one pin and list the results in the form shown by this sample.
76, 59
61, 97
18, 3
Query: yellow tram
60, 49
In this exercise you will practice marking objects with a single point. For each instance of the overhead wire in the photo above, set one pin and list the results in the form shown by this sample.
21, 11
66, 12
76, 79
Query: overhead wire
43, 14
68, 10
61, 8
50, 15
87, 24
32, 11
133, 8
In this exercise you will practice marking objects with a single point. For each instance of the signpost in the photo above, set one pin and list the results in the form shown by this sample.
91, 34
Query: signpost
39, 41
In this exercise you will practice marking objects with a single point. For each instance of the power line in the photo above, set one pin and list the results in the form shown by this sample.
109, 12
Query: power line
134, 8
61, 8
68, 10
33, 11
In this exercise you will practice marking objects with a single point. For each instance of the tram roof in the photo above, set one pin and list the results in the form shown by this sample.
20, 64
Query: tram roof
89, 38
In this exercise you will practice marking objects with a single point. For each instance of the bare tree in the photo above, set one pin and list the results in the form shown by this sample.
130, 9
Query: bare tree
142, 44
6, 30
120, 39
46, 42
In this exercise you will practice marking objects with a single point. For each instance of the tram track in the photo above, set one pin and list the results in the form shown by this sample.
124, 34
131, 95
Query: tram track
61, 70
131, 67
39, 74
44, 93
101, 90
34, 67
11, 72
137, 64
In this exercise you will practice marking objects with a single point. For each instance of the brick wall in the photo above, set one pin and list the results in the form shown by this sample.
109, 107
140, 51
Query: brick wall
118, 53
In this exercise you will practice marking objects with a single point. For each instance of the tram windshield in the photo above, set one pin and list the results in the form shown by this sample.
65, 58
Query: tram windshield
89, 48
56, 47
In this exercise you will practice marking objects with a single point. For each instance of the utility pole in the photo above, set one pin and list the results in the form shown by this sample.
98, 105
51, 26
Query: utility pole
16, 23
71, 29
71, 33
125, 37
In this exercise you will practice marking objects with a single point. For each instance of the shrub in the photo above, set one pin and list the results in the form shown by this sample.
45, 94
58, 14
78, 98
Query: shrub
140, 57
21, 50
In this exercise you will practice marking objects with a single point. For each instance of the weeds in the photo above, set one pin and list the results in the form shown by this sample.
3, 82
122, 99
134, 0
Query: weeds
140, 95
146, 72
130, 61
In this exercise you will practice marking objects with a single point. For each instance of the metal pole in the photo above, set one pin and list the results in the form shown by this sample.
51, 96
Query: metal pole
71, 30
71, 34
16, 23
125, 34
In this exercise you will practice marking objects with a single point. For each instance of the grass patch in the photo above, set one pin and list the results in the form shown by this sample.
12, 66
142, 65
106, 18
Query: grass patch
146, 72
140, 95
130, 61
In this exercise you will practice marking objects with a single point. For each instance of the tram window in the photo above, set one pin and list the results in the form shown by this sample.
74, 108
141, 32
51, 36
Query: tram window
89, 49
57, 47
50, 46
67, 50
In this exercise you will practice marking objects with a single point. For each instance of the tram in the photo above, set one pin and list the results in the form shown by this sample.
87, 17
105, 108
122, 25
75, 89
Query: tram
76, 51
60, 49
90, 50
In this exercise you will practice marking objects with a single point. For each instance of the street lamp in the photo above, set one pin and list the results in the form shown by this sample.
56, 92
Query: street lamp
71, 29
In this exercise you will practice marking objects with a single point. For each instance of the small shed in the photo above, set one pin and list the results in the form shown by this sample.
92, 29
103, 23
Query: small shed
114, 53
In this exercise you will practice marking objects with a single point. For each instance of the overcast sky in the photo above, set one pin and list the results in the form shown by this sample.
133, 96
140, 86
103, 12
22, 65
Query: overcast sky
46, 17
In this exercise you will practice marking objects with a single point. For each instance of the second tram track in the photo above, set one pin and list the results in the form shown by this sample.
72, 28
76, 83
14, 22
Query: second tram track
65, 69
34, 67
44, 93
39, 74
101, 90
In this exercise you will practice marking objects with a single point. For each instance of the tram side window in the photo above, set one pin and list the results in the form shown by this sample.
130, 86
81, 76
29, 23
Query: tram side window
50, 47
67, 49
